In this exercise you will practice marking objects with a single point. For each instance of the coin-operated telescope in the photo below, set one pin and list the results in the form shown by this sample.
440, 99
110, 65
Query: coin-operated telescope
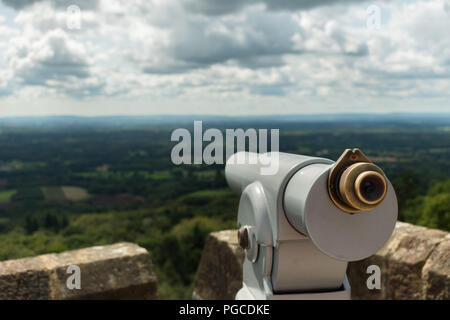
301, 225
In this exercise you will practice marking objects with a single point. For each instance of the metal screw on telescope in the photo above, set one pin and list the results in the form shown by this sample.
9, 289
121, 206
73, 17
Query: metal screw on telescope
243, 238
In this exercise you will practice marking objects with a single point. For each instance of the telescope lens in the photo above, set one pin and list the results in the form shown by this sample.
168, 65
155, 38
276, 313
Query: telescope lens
355, 184
370, 187
362, 186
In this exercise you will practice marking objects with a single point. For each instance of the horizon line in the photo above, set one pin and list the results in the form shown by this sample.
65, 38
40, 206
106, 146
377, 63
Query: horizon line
447, 113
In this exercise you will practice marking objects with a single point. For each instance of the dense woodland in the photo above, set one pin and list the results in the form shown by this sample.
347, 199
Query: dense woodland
73, 183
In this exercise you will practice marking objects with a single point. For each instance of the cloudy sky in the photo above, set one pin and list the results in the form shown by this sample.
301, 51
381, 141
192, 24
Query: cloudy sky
223, 57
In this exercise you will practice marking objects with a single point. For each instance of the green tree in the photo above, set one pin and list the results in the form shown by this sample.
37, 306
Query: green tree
436, 212
5, 225
51, 222
31, 224
443, 187
431, 210
405, 189
64, 222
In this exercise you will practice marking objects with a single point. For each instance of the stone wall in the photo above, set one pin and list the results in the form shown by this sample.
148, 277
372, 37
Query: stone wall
414, 263
118, 271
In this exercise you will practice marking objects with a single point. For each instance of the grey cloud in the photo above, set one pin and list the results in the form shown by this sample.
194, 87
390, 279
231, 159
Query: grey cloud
169, 67
19, 4
61, 65
266, 61
221, 7
83, 4
361, 51
6, 91
303, 4
216, 7
61, 4
41, 73
255, 44
255, 39
411, 74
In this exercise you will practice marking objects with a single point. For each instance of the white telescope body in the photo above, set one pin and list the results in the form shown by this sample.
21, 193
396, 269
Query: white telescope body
299, 241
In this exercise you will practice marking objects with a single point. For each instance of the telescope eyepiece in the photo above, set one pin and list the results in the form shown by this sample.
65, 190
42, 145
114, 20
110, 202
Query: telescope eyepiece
370, 187
356, 184
362, 186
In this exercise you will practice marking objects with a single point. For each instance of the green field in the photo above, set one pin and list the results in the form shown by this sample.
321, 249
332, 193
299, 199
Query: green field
53, 193
210, 193
75, 193
124, 175
160, 175
64, 193
5, 196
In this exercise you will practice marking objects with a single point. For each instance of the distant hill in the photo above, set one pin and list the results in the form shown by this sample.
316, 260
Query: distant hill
107, 122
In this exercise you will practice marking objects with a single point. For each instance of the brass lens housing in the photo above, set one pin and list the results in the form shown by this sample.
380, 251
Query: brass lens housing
362, 186
355, 184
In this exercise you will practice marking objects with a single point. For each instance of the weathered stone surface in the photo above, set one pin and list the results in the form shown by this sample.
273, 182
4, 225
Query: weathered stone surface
219, 275
436, 273
357, 270
414, 263
119, 271
406, 262
24, 279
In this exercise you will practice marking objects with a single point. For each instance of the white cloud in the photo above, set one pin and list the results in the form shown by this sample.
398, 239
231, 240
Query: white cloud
245, 56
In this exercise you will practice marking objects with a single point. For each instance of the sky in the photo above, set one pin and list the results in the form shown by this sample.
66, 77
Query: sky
234, 57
